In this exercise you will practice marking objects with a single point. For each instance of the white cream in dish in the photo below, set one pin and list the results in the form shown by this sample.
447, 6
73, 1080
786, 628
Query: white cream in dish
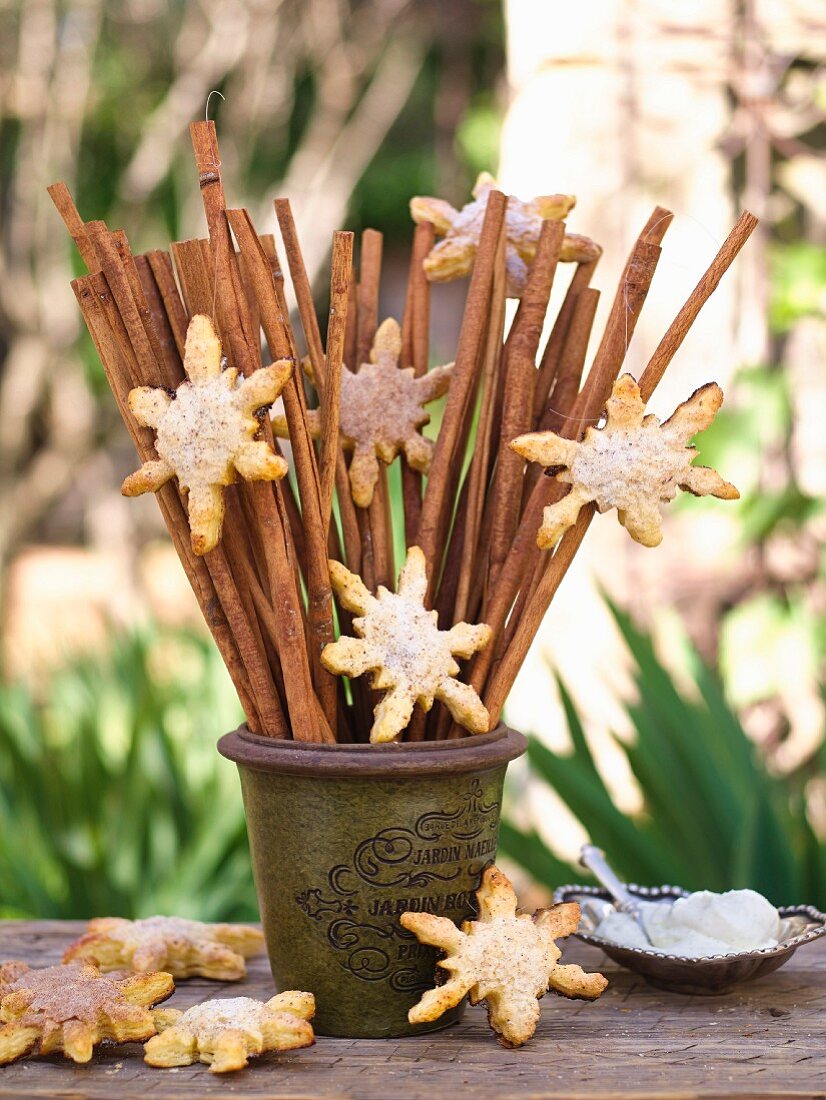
699, 925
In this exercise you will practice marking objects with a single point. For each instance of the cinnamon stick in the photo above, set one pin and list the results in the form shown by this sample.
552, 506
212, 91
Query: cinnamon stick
244, 628
164, 276
446, 463
415, 354
376, 524
351, 333
552, 356
678, 329
118, 358
309, 323
340, 270
628, 301
477, 476
505, 674
319, 593
213, 588
234, 321
368, 294
572, 361
508, 667
565, 392
134, 323
61, 197
167, 348
518, 392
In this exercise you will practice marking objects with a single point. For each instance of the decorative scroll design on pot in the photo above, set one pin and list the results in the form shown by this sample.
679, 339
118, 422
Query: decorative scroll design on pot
359, 918
377, 860
464, 823
315, 906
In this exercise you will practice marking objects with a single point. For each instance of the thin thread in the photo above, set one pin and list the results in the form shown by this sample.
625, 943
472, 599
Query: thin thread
209, 97
626, 341
580, 419
666, 262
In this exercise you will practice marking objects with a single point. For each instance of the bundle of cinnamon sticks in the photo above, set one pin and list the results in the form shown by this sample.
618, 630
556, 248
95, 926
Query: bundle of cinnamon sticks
265, 589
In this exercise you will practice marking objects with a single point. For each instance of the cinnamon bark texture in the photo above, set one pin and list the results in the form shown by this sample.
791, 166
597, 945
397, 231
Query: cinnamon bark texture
470, 507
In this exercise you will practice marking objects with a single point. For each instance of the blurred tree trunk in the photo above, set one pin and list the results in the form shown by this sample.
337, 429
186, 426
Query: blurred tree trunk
627, 104
624, 103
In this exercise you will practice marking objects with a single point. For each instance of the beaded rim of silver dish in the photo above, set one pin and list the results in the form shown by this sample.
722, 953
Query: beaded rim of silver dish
659, 893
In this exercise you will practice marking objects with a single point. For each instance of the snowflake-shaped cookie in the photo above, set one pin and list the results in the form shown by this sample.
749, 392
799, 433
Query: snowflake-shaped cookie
381, 411
506, 958
226, 1033
399, 642
205, 431
453, 257
185, 948
632, 464
73, 1008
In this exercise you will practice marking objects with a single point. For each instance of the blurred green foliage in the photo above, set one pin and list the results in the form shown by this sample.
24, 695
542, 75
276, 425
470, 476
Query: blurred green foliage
798, 279
135, 61
777, 624
113, 798
713, 817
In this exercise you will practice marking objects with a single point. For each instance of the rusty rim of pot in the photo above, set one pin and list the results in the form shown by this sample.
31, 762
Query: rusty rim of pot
466, 754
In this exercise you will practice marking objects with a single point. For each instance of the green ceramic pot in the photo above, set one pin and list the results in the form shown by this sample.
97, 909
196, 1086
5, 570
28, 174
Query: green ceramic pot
344, 838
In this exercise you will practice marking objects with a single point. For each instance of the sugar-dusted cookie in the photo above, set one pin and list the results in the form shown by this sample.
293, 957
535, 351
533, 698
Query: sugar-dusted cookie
381, 412
453, 257
73, 1008
399, 642
226, 1033
205, 431
506, 958
632, 464
185, 948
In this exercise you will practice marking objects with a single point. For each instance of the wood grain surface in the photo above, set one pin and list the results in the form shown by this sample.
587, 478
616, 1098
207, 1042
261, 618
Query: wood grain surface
766, 1040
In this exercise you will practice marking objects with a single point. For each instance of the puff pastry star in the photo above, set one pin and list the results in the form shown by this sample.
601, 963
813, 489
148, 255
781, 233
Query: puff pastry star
225, 1034
506, 958
185, 948
73, 1008
205, 431
381, 412
453, 257
399, 642
633, 463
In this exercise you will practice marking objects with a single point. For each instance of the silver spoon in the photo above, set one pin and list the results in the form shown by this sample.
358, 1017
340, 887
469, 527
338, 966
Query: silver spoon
593, 860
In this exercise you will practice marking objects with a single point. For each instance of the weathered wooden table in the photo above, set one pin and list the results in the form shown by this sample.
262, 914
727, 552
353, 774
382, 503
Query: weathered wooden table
767, 1040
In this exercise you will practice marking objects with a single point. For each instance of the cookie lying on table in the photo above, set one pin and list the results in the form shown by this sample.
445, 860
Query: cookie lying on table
185, 948
73, 1008
506, 958
226, 1033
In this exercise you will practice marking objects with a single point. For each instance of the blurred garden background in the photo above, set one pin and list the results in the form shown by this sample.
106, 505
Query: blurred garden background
676, 695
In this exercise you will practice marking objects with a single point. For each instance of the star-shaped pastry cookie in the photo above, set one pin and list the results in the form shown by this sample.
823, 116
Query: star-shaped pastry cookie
73, 1008
205, 431
226, 1033
453, 257
399, 642
185, 948
381, 412
633, 463
506, 958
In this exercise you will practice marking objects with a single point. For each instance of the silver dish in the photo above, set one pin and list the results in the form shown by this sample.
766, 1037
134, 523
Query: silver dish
800, 924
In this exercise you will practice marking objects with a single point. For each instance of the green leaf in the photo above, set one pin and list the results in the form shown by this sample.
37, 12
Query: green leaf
713, 816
